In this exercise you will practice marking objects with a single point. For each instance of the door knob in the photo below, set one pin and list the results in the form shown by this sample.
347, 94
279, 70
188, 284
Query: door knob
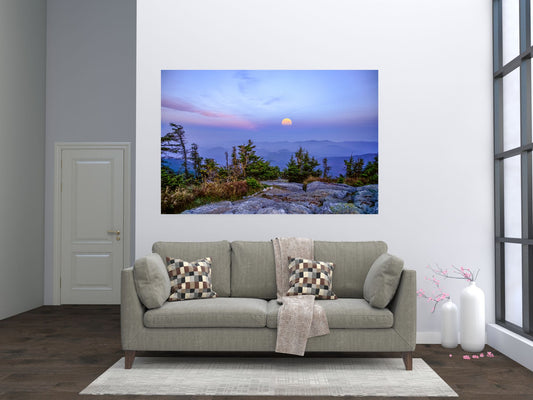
115, 232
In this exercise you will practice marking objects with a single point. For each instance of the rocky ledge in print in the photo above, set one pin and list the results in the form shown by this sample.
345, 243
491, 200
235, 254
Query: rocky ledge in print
281, 197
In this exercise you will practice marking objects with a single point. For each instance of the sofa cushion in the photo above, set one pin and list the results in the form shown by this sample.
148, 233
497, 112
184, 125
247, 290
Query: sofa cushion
352, 263
219, 312
190, 280
151, 280
382, 280
219, 252
253, 270
343, 314
310, 277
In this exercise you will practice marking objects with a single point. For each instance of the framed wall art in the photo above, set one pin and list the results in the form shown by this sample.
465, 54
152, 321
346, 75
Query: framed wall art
269, 142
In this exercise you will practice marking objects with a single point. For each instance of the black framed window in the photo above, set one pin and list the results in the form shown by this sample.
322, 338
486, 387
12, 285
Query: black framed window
513, 173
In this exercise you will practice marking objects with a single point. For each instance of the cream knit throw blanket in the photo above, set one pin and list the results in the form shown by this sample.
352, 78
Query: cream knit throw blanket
299, 318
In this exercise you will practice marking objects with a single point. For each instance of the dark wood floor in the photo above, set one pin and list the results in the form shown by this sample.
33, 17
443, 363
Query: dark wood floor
55, 352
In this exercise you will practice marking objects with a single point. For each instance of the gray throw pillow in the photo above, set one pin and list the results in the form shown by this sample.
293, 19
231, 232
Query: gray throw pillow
151, 280
382, 280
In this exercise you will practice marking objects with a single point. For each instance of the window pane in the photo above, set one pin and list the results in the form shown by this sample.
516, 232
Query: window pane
510, 30
512, 197
513, 283
511, 110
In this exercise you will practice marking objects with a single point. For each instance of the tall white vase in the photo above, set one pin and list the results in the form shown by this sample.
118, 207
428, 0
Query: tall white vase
449, 325
472, 318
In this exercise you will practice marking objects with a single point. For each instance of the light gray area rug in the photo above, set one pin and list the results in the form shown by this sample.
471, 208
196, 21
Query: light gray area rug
270, 377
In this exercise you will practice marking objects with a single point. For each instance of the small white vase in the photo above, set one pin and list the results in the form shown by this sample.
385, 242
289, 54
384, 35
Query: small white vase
448, 329
472, 318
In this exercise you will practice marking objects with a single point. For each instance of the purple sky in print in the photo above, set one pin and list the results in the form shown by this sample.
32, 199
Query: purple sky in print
222, 108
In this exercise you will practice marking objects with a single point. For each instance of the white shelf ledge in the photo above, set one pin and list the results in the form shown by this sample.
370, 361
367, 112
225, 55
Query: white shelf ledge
512, 345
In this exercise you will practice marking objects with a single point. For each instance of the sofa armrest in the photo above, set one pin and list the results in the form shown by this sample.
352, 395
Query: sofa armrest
403, 306
131, 311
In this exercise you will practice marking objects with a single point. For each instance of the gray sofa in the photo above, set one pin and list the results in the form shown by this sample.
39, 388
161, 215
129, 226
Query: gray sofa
243, 316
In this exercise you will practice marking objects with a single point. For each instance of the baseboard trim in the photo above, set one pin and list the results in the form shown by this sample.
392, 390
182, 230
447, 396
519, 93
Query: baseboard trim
428, 337
514, 346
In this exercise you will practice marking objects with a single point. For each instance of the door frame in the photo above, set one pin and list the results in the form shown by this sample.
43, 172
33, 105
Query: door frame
126, 235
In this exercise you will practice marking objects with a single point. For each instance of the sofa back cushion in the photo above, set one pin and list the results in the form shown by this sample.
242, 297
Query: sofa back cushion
253, 270
219, 252
352, 263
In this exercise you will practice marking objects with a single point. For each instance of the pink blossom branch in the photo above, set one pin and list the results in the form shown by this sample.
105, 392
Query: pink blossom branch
435, 298
455, 273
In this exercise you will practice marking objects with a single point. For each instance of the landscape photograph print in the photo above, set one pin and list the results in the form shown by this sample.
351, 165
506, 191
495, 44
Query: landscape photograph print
269, 142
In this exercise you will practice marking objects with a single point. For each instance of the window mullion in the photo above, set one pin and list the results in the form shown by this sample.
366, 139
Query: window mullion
526, 172
498, 164
527, 289
525, 28
526, 183
497, 35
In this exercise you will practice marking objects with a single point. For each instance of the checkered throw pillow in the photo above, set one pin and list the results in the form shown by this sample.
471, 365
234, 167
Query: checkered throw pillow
311, 277
190, 280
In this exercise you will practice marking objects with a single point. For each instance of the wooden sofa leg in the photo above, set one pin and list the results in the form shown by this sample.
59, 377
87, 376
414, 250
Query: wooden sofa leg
130, 357
408, 360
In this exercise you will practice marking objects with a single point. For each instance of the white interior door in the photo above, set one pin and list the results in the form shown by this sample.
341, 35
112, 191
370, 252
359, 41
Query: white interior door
92, 225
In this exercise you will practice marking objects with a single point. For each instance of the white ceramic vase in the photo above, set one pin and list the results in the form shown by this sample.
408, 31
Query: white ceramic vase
448, 329
472, 318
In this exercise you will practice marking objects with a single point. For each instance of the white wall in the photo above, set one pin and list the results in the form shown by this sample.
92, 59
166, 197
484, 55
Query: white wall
435, 132
90, 87
22, 119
